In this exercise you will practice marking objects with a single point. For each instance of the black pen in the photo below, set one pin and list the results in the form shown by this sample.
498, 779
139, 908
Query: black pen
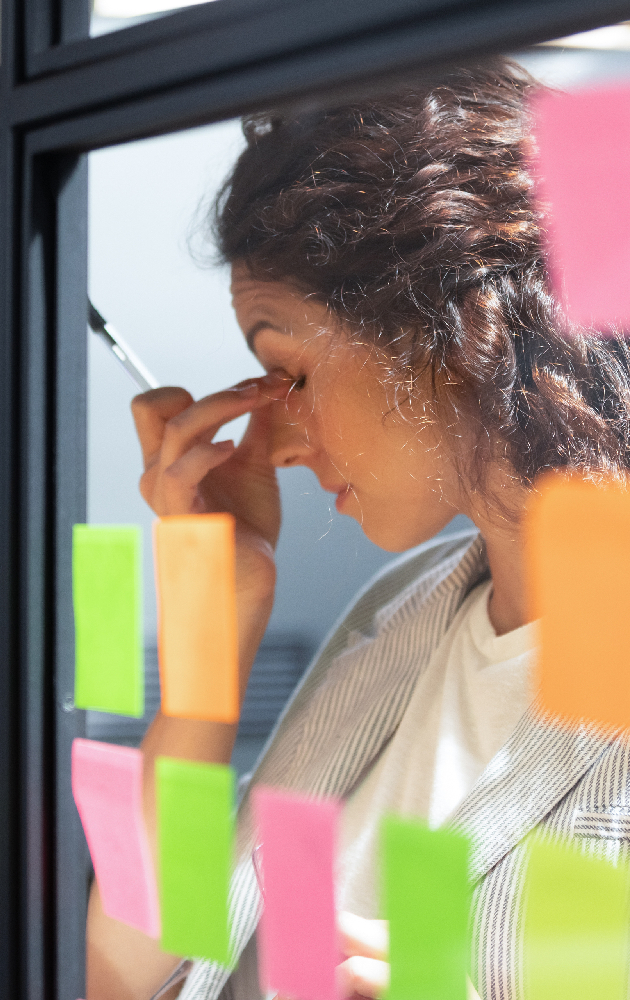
130, 361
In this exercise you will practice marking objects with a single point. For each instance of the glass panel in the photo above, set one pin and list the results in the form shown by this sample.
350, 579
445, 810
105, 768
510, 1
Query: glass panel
152, 278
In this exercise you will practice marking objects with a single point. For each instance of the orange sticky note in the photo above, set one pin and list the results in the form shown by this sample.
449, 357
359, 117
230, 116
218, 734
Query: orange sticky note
198, 648
579, 567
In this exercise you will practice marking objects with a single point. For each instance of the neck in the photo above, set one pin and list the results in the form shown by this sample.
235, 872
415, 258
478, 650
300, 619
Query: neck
507, 606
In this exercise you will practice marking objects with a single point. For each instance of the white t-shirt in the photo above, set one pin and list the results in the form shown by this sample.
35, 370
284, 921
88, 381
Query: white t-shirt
465, 706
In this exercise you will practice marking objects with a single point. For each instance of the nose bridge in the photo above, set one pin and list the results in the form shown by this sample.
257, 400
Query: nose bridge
290, 442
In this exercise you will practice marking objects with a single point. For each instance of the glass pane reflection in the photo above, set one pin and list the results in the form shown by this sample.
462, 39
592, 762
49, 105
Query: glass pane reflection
112, 15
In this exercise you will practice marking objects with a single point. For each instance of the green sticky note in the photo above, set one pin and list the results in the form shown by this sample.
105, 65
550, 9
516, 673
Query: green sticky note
195, 808
576, 928
107, 593
426, 899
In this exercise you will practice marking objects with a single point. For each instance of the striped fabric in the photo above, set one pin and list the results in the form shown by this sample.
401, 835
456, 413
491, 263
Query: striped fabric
587, 772
609, 825
345, 712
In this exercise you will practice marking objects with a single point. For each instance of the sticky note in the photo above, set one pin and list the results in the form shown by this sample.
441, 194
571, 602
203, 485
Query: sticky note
578, 549
107, 790
575, 929
581, 168
425, 896
198, 647
195, 804
107, 594
297, 940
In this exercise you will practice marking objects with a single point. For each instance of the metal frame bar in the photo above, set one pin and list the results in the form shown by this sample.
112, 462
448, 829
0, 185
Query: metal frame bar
346, 42
61, 94
240, 32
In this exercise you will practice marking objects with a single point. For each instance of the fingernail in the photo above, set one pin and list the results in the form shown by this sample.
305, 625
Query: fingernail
247, 389
275, 386
276, 379
224, 445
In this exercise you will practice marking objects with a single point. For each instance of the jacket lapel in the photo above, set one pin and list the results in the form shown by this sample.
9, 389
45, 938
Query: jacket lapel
344, 714
354, 701
536, 768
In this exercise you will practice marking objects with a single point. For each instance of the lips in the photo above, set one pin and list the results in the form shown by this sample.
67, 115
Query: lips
338, 488
342, 496
342, 490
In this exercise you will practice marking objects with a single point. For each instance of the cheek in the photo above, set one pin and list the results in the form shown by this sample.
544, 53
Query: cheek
299, 406
343, 413
349, 433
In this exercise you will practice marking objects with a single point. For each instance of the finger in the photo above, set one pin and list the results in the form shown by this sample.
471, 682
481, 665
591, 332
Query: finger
270, 389
367, 977
151, 411
177, 487
255, 441
359, 936
276, 385
204, 418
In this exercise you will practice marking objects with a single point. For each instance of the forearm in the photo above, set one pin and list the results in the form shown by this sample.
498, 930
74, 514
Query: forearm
192, 739
124, 964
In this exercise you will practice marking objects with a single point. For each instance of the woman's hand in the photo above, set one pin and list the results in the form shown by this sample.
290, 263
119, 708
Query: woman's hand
365, 973
365, 943
185, 472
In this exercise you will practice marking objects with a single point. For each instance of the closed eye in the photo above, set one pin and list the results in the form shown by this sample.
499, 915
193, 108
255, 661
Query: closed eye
297, 381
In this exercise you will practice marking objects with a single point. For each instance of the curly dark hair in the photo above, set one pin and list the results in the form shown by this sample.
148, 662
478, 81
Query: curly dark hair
411, 216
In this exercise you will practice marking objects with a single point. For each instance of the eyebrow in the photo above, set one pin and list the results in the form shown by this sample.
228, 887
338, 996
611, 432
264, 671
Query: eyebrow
262, 324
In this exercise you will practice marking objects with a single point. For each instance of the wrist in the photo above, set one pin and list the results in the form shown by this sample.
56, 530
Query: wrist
253, 618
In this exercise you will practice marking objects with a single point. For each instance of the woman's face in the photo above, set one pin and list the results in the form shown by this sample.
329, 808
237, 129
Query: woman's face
385, 463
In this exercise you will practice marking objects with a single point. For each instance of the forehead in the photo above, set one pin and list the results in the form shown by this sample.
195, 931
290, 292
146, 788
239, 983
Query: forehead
279, 306
249, 292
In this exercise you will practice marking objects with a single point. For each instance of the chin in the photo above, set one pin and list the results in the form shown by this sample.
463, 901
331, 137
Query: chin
392, 536
389, 537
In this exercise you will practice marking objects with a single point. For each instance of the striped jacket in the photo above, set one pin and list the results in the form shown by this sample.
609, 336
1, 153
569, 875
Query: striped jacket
571, 782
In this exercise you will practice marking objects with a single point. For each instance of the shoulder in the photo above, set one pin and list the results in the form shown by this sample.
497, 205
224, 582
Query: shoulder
424, 564
415, 576
419, 569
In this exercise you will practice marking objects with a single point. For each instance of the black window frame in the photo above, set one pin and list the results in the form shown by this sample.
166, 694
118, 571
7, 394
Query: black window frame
61, 95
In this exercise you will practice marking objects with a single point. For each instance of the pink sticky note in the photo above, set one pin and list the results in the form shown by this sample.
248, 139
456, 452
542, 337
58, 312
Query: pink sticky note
107, 789
298, 938
581, 168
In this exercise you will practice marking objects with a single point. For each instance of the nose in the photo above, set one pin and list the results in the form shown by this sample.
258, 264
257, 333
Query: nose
289, 444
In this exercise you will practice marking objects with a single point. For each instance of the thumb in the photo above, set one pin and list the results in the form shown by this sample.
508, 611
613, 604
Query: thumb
255, 443
362, 977
358, 936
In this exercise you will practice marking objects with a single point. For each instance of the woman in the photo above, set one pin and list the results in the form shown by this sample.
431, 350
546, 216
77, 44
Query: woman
388, 273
